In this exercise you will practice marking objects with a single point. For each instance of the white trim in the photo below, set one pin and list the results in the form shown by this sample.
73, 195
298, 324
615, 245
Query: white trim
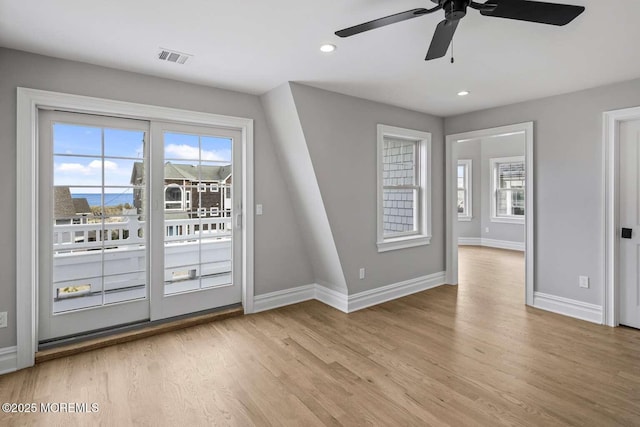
468, 187
386, 293
28, 103
568, 307
348, 303
332, 298
611, 208
503, 244
403, 242
491, 243
493, 168
452, 223
507, 220
283, 298
470, 241
8, 359
423, 214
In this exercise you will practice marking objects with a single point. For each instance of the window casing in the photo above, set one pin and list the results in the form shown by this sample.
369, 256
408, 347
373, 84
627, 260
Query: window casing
465, 190
508, 189
404, 217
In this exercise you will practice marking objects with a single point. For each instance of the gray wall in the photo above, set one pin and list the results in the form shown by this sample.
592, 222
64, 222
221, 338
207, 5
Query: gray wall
567, 155
280, 257
340, 132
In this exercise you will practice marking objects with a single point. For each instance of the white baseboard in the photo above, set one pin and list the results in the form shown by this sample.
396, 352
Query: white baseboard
470, 241
343, 302
396, 290
568, 307
285, 297
491, 243
332, 298
8, 359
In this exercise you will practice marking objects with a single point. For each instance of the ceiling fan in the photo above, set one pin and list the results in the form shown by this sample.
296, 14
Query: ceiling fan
455, 10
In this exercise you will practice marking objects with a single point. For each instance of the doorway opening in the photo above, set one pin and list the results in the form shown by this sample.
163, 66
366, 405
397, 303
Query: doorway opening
489, 200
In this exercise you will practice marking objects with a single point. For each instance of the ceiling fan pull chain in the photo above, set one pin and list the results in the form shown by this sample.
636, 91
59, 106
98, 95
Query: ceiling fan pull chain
452, 60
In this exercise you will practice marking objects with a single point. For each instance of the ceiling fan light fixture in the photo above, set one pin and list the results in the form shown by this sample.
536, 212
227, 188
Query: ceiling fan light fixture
327, 48
463, 93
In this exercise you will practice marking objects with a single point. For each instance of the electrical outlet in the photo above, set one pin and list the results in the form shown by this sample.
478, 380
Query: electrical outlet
362, 273
583, 281
3, 319
258, 209
486, 229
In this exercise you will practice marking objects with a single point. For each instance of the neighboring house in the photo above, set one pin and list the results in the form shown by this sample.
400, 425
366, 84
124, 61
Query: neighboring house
190, 191
69, 210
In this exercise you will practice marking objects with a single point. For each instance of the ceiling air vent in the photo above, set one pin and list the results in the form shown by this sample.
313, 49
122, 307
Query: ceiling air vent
173, 56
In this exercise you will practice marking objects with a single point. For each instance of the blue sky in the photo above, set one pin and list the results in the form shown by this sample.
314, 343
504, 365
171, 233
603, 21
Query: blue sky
72, 142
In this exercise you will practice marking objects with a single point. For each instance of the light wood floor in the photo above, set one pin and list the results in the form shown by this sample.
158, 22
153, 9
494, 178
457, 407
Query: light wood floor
466, 355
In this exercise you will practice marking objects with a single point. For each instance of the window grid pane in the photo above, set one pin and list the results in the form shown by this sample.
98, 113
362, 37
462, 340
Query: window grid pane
399, 163
461, 201
400, 186
399, 210
98, 249
510, 181
510, 175
463, 184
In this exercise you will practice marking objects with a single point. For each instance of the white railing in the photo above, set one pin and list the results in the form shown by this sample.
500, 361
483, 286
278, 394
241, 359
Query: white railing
201, 247
69, 237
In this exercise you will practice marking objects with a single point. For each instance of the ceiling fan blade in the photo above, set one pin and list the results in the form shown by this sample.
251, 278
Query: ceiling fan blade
381, 22
441, 39
534, 11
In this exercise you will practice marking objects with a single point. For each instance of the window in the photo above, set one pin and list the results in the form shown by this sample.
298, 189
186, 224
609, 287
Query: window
465, 210
173, 198
507, 189
404, 218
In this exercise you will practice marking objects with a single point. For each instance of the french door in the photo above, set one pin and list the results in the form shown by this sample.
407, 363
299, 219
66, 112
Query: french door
196, 210
136, 221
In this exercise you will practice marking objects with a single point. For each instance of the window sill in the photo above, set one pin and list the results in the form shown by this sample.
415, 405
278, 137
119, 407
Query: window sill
508, 220
465, 218
403, 242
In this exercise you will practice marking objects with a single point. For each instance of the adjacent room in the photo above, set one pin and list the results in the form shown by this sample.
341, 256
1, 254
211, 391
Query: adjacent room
291, 213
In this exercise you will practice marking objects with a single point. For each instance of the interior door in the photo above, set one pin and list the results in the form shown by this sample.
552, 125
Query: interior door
196, 190
630, 220
92, 237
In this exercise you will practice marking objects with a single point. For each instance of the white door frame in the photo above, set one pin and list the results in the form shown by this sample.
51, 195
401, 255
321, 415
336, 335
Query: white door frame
28, 103
611, 210
451, 201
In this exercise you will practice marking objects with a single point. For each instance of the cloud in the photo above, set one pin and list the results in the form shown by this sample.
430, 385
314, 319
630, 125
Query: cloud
93, 168
188, 152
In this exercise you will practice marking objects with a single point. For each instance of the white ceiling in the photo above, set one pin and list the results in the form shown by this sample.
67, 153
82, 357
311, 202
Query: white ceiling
255, 45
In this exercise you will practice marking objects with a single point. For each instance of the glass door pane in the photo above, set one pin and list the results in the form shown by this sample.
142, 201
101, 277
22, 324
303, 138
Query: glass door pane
198, 212
94, 185
196, 198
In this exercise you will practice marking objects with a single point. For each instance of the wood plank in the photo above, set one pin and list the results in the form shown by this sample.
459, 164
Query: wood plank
471, 354
148, 331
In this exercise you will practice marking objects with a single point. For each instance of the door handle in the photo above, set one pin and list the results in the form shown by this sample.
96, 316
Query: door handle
626, 233
238, 220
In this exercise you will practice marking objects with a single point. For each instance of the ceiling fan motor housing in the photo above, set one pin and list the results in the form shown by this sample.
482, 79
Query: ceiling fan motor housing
453, 9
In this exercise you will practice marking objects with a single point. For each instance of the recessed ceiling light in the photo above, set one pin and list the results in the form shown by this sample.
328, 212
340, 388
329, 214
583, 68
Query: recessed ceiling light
463, 93
326, 48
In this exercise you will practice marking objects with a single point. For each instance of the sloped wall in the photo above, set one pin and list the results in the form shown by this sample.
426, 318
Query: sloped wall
340, 133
